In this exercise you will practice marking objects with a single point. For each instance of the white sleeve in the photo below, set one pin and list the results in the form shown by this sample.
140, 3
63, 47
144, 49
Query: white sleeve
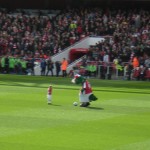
84, 85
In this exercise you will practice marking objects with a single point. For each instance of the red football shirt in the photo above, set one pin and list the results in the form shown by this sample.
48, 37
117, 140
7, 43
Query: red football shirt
87, 87
49, 91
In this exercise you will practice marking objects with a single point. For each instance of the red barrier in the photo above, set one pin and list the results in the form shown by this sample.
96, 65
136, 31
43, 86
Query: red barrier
76, 53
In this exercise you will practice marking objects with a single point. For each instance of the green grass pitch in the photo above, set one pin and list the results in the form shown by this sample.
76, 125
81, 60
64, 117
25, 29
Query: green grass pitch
118, 120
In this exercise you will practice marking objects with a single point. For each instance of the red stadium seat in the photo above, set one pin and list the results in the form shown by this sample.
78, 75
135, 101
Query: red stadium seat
136, 73
147, 74
82, 71
79, 64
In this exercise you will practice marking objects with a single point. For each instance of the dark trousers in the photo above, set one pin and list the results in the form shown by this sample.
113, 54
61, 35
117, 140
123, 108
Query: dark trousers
64, 73
57, 73
50, 70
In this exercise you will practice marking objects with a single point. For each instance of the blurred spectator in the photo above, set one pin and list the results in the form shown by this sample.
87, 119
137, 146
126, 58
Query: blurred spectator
147, 62
6, 62
50, 67
126, 33
135, 62
64, 65
58, 68
43, 67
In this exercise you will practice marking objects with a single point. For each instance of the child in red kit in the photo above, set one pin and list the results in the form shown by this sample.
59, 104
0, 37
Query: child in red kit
49, 95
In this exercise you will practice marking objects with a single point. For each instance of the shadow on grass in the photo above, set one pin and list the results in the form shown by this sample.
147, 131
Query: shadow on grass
75, 88
39, 81
96, 108
65, 83
53, 105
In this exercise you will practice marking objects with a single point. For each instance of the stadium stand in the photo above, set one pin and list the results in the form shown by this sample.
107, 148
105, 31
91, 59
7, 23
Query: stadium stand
28, 33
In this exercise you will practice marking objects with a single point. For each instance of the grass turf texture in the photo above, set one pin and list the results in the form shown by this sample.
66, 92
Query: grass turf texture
119, 120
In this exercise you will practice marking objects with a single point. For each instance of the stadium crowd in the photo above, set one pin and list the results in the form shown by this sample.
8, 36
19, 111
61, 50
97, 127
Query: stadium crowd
127, 33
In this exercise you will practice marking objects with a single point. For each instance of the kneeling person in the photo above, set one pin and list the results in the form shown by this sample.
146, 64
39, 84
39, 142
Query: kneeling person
85, 95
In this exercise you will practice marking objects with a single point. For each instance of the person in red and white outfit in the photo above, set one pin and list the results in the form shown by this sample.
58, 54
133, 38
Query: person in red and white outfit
49, 95
86, 94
